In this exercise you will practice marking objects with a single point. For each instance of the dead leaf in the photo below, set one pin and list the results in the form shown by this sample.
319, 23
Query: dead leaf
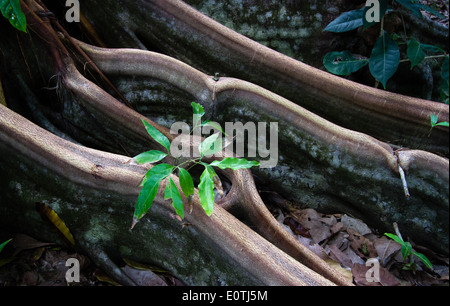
317, 249
361, 245
360, 278
347, 257
386, 249
22, 242
319, 232
345, 272
356, 225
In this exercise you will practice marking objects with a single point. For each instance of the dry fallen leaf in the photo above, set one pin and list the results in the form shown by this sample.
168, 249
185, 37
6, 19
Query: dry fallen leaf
361, 278
386, 249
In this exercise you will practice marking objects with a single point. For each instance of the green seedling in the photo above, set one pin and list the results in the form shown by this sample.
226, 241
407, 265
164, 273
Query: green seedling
208, 179
407, 253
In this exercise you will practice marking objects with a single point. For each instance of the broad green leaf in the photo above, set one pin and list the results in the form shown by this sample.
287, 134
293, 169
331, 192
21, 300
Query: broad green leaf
234, 163
157, 135
431, 48
395, 238
433, 120
415, 8
429, 10
347, 21
214, 125
424, 259
211, 171
158, 170
210, 146
415, 52
198, 109
167, 192
383, 5
186, 182
412, 6
443, 123
206, 191
384, 60
12, 11
343, 63
149, 157
406, 249
4, 244
171, 192
146, 196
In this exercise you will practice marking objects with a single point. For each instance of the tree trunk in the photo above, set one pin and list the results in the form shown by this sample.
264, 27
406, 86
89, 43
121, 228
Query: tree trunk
320, 164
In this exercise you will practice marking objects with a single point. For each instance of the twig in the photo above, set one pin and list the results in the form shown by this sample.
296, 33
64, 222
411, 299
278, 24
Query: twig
403, 177
397, 231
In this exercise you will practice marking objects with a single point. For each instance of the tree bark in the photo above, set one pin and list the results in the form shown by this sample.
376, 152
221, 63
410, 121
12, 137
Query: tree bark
178, 30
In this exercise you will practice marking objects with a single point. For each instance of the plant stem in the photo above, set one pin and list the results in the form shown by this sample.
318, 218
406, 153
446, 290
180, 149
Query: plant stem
425, 58
397, 231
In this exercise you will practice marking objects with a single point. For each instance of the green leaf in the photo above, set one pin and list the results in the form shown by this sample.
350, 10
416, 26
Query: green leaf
347, 21
406, 249
415, 52
171, 192
382, 11
214, 125
431, 48
234, 163
395, 238
3, 244
206, 191
210, 146
429, 10
148, 193
412, 6
434, 121
424, 259
12, 11
443, 123
157, 135
198, 109
343, 63
149, 157
186, 182
161, 169
384, 60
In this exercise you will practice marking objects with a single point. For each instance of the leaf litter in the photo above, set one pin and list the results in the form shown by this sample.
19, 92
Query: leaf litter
29, 262
350, 246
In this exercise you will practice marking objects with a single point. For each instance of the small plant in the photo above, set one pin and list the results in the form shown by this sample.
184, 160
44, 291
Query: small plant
407, 253
385, 56
4, 244
434, 121
11, 10
208, 180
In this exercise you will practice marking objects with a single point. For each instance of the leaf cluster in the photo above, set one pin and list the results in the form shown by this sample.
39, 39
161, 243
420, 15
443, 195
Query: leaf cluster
407, 252
385, 56
208, 179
